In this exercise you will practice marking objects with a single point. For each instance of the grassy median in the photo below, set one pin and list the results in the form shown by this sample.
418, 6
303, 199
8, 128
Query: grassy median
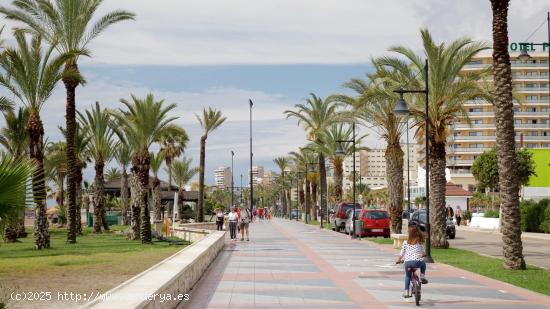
95, 263
533, 278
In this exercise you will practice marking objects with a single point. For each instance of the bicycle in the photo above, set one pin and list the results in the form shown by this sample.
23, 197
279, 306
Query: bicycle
415, 286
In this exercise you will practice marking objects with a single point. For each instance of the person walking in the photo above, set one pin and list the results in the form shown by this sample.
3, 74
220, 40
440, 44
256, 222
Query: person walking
219, 219
458, 215
245, 222
233, 218
450, 212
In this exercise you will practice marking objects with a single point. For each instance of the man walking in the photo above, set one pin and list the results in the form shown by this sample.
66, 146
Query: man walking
245, 222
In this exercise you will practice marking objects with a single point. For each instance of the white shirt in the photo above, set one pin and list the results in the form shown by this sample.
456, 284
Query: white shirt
411, 252
233, 216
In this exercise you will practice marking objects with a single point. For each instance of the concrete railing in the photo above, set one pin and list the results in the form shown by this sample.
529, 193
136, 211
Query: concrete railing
167, 283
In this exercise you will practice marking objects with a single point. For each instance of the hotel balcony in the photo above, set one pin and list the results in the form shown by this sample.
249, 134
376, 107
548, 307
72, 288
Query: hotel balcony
492, 138
531, 89
491, 126
460, 162
465, 150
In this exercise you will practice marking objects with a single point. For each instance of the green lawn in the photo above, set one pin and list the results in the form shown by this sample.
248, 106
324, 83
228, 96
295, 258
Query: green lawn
316, 222
95, 263
533, 278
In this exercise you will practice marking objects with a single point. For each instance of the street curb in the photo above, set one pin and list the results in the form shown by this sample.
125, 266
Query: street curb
538, 236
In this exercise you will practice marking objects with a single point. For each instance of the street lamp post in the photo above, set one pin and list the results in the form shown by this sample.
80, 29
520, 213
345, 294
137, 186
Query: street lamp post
408, 176
241, 189
524, 56
401, 109
340, 152
232, 183
298, 193
251, 154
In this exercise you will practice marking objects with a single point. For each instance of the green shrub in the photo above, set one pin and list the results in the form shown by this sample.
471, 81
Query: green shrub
532, 215
467, 215
545, 222
188, 212
490, 213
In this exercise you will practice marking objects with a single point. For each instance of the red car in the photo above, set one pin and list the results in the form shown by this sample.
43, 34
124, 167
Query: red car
338, 220
375, 222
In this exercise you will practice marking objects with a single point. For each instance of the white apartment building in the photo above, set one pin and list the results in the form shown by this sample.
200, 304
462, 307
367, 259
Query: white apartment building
257, 175
371, 164
532, 116
222, 177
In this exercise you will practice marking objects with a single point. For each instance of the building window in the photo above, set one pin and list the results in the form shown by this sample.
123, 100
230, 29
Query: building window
475, 110
475, 134
531, 98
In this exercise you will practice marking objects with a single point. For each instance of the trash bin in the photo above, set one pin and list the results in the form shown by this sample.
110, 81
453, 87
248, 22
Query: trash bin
359, 228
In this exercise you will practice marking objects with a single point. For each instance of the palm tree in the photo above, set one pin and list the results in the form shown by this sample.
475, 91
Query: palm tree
316, 116
123, 155
302, 160
67, 25
183, 173
330, 137
211, 119
512, 246
449, 87
14, 181
142, 124
374, 105
113, 173
55, 166
16, 141
97, 122
283, 163
82, 139
31, 75
172, 146
156, 163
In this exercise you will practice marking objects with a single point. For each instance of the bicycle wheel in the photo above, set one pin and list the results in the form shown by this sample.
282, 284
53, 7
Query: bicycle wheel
416, 290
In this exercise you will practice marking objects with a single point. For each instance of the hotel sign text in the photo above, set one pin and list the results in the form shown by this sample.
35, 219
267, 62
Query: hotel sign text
517, 46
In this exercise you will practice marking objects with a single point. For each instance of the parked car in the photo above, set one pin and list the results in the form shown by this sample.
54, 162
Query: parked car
375, 223
348, 227
420, 216
338, 221
295, 213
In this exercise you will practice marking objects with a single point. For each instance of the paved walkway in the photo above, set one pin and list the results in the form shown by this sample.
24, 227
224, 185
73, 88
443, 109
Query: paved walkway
293, 265
535, 249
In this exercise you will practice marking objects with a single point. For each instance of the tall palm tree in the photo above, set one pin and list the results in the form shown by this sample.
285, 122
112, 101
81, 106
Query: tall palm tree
123, 155
330, 137
31, 75
16, 141
182, 174
55, 165
82, 138
173, 146
97, 122
283, 163
449, 88
374, 105
316, 115
512, 246
70, 26
211, 119
156, 163
142, 124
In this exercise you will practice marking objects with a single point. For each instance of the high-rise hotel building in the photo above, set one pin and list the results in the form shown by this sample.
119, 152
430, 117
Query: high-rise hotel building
531, 116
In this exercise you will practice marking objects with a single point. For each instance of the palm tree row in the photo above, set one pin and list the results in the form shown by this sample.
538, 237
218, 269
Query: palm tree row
327, 120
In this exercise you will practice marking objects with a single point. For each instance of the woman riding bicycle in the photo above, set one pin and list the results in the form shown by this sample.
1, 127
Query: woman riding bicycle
412, 253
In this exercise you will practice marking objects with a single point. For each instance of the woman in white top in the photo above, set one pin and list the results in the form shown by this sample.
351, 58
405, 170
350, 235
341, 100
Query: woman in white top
233, 217
412, 253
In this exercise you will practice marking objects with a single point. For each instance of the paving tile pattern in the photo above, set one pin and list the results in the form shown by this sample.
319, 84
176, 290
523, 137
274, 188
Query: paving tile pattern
292, 265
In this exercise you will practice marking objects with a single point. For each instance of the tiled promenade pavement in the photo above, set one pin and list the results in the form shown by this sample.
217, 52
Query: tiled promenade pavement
292, 265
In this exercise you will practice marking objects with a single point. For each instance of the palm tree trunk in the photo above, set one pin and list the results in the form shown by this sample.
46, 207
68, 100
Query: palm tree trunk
438, 221
394, 170
338, 179
313, 208
323, 185
10, 233
301, 197
70, 86
141, 163
512, 246
86, 205
99, 198
124, 196
180, 204
79, 197
156, 200
136, 199
200, 206
20, 227
35, 130
308, 197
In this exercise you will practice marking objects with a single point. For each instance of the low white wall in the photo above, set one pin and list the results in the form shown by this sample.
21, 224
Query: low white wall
165, 284
485, 223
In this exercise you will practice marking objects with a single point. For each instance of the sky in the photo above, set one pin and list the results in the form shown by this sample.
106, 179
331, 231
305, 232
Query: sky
200, 53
